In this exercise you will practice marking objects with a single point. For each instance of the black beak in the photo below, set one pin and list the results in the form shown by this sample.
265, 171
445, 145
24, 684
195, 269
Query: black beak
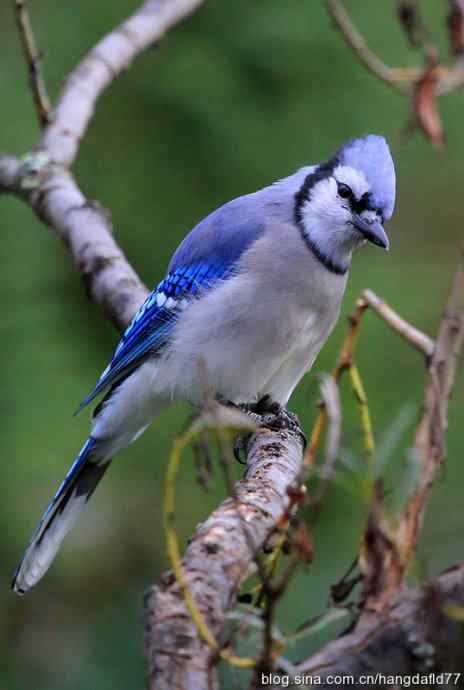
372, 231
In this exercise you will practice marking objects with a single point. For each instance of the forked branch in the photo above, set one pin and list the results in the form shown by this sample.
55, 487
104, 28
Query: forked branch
42, 178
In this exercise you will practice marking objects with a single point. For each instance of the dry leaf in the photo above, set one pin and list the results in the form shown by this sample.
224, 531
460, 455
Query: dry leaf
408, 14
424, 104
303, 544
455, 23
379, 560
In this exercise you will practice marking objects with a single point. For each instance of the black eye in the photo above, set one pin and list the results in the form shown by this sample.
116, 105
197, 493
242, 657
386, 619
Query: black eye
344, 191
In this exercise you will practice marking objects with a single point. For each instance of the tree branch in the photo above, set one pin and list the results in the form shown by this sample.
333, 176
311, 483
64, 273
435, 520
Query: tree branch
406, 330
429, 442
99, 69
223, 550
355, 40
421, 84
422, 633
84, 227
389, 548
33, 59
42, 180
219, 558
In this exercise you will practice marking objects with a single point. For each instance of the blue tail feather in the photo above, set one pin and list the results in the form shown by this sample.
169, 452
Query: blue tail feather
67, 504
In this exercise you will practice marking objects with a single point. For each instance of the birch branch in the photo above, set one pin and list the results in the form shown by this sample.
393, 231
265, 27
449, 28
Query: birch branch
42, 180
113, 54
85, 228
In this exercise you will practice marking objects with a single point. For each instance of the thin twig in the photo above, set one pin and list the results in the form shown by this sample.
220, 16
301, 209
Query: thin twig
174, 552
331, 401
392, 77
402, 79
406, 330
33, 59
455, 25
343, 363
389, 546
430, 435
422, 620
410, 16
203, 461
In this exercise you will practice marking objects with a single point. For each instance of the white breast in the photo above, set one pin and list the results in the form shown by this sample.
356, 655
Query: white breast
258, 332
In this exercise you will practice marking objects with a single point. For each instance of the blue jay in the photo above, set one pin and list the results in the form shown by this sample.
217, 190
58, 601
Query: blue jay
253, 291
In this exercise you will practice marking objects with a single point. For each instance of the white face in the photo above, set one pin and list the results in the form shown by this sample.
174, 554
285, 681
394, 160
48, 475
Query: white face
327, 215
354, 179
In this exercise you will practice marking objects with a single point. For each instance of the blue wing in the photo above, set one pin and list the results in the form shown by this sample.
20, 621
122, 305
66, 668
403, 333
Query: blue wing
150, 328
209, 253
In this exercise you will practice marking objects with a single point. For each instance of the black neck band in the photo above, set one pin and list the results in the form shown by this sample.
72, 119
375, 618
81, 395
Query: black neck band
303, 195
323, 258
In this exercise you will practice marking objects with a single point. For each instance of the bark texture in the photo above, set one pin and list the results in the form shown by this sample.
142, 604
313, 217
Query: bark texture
422, 634
219, 557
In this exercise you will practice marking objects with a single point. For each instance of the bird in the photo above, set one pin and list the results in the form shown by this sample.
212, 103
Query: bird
253, 292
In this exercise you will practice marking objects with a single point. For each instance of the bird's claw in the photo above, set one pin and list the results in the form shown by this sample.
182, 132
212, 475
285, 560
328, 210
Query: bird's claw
283, 419
269, 414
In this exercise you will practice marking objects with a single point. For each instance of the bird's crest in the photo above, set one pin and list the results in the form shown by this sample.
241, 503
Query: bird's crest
371, 155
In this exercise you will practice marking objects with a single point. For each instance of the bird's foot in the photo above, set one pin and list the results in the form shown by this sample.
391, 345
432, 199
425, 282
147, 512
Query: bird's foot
273, 415
270, 414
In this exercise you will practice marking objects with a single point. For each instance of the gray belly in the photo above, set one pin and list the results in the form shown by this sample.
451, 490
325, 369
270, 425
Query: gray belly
244, 350
261, 330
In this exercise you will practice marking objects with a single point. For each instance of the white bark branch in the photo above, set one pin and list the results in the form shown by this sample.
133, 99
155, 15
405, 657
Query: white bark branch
44, 182
113, 54
85, 228
218, 559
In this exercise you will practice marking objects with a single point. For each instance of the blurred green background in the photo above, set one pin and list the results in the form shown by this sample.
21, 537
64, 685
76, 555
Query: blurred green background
239, 95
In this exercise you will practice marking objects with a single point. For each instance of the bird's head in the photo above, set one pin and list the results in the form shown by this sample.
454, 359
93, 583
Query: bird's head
344, 202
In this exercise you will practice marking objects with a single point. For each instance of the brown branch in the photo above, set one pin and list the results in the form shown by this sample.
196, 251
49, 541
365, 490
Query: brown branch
343, 362
403, 328
42, 180
421, 620
389, 75
402, 79
421, 84
219, 558
429, 442
450, 79
332, 406
33, 60
406, 330
388, 547
455, 24
223, 550
421, 634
